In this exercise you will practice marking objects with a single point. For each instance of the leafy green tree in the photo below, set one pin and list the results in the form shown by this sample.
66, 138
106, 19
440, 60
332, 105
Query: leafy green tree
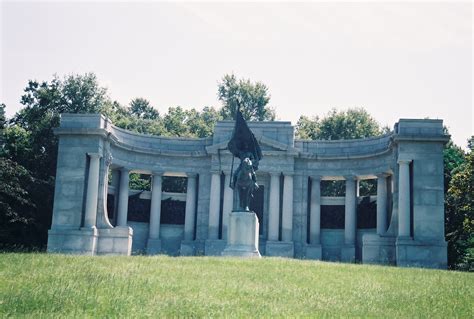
3, 119
307, 128
142, 109
252, 98
453, 157
201, 124
460, 216
30, 151
15, 205
337, 125
175, 122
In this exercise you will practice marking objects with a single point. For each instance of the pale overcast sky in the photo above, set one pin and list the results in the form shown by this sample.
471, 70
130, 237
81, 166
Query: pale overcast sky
397, 60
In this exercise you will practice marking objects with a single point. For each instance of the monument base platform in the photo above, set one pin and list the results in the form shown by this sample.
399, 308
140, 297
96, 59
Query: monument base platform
82, 241
242, 237
187, 248
348, 253
214, 247
427, 253
314, 252
153, 246
378, 249
115, 241
280, 249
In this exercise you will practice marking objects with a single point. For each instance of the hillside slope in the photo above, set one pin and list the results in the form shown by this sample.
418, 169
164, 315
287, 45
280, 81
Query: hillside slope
60, 285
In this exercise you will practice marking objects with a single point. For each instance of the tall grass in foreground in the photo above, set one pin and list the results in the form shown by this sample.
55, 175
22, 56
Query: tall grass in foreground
77, 286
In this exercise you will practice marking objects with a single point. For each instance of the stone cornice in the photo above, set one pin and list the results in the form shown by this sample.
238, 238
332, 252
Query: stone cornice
280, 147
421, 138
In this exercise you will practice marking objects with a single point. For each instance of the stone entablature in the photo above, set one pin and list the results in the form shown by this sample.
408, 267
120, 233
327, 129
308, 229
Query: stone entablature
407, 164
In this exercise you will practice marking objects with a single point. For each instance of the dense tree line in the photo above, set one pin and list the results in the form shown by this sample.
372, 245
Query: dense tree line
29, 150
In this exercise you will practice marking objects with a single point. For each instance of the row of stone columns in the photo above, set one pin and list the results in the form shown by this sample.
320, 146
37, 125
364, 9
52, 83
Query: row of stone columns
274, 207
155, 208
274, 204
350, 224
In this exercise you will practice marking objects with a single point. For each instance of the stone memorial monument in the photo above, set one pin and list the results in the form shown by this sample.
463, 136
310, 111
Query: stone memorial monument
400, 222
243, 229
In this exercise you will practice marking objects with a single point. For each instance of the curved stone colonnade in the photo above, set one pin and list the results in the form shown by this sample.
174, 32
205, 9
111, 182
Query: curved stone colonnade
406, 163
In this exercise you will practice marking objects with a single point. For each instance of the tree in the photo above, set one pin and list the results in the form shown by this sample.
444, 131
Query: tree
350, 124
252, 98
460, 216
337, 125
201, 124
307, 128
3, 124
15, 205
3, 119
28, 160
142, 109
453, 157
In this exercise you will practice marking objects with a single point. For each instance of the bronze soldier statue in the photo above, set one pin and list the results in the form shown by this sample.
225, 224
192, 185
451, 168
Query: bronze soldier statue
244, 146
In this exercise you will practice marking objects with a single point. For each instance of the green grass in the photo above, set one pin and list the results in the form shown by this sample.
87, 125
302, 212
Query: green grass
44, 285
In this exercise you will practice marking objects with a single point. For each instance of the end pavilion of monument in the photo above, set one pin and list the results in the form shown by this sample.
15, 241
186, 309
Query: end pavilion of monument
186, 211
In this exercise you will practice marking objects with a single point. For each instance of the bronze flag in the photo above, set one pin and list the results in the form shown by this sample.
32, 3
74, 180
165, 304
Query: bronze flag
243, 141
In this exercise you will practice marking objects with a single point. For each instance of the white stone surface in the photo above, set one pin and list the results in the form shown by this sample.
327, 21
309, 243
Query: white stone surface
404, 199
315, 211
287, 209
243, 235
122, 210
190, 207
350, 220
92, 190
155, 207
381, 204
274, 207
214, 206
228, 205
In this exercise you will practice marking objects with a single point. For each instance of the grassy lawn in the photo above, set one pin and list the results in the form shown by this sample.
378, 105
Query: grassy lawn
77, 286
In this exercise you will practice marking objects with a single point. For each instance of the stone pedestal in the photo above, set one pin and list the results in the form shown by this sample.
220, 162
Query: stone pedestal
242, 239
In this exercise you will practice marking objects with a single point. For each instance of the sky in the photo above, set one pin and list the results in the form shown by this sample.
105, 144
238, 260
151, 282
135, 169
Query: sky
395, 59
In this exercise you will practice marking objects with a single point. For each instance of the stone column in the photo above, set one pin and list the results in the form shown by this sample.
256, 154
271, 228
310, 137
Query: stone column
287, 211
116, 185
190, 207
123, 197
155, 207
214, 206
315, 211
228, 205
274, 207
350, 224
92, 190
381, 203
404, 198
